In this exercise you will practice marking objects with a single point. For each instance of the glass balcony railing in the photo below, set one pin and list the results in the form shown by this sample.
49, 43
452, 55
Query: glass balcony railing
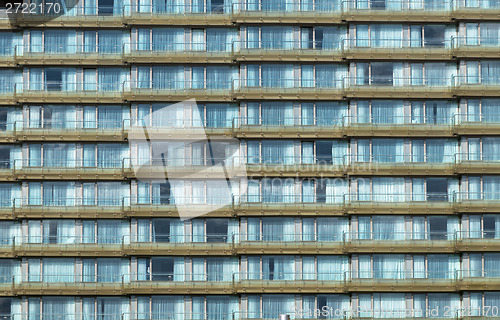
339, 238
281, 199
82, 50
403, 82
221, 8
81, 164
396, 5
180, 85
475, 42
182, 47
381, 43
285, 83
73, 87
286, 45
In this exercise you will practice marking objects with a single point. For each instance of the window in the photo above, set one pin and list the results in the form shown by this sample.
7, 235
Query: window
382, 73
53, 79
3, 119
321, 191
217, 230
162, 269
434, 35
324, 152
438, 228
489, 226
437, 189
161, 230
105, 7
5, 308
5, 157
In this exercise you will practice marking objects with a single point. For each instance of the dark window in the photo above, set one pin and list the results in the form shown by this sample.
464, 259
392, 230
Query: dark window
434, 36
3, 119
324, 152
105, 7
438, 228
489, 226
217, 230
165, 193
319, 38
53, 79
162, 269
321, 191
5, 308
382, 73
217, 6
47, 116
437, 189
161, 228
4, 157
322, 302
377, 4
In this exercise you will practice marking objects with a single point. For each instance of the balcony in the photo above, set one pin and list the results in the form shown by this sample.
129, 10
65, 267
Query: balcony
216, 14
397, 126
289, 89
401, 280
477, 163
68, 284
96, 130
477, 241
476, 86
399, 203
476, 124
286, 11
69, 55
179, 90
66, 169
170, 206
401, 88
184, 52
473, 47
478, 9
7, 57
68, 92
104, 16
396, 11
67, 246
68, 208
221, 245
294, 51
401, 49
400, 165
179, 283
477, 202
312, 205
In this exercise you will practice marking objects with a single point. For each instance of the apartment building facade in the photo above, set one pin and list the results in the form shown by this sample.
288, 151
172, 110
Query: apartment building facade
368, 129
